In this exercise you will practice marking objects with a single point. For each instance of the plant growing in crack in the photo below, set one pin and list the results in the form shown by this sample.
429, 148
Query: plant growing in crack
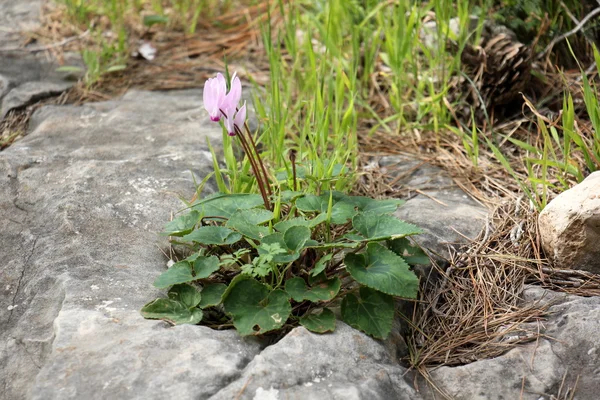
286, 256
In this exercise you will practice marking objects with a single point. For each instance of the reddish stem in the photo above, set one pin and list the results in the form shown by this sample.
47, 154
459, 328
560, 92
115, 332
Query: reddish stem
262, 166
259, 179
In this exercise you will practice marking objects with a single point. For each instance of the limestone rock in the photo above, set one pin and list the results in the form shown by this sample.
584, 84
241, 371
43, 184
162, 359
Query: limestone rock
446, 213
26, 76
18, 15
565, 358
570, 226
111, 352
345, 364
30, 92
84, 196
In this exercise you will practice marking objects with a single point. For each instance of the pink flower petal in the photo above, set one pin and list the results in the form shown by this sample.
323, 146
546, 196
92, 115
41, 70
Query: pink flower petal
240, 117
214, 96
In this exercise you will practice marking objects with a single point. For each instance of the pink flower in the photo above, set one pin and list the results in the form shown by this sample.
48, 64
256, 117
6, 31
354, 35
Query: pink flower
235, 93
234, 119
216, 98
214, 94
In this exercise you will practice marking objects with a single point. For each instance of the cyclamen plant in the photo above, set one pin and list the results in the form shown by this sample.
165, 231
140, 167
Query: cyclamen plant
269, 262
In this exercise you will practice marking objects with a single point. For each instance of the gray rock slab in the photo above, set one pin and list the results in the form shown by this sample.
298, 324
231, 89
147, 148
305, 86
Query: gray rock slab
116, 354
30, 92
345, 364
566, 358
17, 16
83, 198
449, 217
25, 75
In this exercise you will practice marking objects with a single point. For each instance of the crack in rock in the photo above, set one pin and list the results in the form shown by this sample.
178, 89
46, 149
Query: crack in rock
17, 290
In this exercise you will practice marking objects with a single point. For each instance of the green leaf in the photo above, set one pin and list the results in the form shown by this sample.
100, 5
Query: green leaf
288, 195
286, 257
172, 311
180, 272
319, 323
295, 237
383, 270
150, 20
413, 255
342, 212
254, 309
182, 225
212, 295
353, 237
116, 68
324, 291
246, 222
312, 203
213, 235
313, 244
374, 226
367, 204
225, 205
236, 279
69, 68
372, 313
283, 226
205, 266
387, 206
185, 294
321, 264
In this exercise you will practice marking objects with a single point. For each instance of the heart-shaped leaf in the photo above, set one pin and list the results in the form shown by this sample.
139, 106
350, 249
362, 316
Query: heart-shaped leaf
367, 204
213, 235
319, 322
283, 226
256, 310
372, 312
412, 254
225, 205
386, 206
212, 295
172, 311
286, 257
320, 204
205, 266
342, 212
180, 272
288, 195
295, 237
185, 294
183, 224
323, 291
374, 226
383, 270
312, 203
247, 222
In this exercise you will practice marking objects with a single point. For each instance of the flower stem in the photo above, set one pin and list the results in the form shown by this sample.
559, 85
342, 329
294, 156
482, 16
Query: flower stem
255, 168
262, 165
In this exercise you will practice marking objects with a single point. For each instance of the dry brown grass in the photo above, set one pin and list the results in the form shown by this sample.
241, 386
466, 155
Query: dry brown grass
182, 60
474, 311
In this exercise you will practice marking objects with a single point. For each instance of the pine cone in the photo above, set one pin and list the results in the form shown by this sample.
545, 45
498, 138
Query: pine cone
497, 71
